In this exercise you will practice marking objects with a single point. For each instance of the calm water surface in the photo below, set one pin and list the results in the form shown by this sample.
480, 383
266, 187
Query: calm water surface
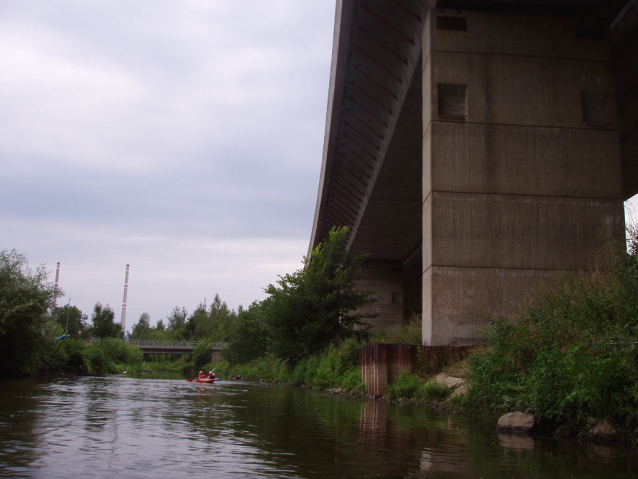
159, 428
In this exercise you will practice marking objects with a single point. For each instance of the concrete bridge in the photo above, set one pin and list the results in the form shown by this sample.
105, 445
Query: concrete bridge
477, 147
168, 347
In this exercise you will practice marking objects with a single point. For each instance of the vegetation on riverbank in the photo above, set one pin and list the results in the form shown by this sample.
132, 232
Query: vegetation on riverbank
572, 353
336, 367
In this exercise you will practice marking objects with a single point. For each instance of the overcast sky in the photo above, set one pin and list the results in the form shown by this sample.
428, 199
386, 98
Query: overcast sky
182, 137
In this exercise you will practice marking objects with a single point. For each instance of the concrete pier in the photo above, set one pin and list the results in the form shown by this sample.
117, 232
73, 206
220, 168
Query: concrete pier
477, 148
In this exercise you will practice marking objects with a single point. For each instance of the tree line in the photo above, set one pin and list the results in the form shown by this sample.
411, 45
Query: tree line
212, 324
304, 312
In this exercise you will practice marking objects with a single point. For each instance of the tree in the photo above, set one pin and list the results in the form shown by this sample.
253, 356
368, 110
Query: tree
176, 323
248, 336
142, 329
77, 321
104, 325
159, 329
317, 304
25, 297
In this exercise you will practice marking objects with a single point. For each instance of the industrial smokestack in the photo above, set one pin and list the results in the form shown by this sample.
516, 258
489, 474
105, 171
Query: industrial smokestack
57, 279
123, 322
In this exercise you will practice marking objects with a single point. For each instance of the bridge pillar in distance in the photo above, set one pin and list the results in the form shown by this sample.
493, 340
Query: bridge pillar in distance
386, 280
521, 160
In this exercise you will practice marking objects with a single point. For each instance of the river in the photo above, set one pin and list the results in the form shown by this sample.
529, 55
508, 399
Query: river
170, 428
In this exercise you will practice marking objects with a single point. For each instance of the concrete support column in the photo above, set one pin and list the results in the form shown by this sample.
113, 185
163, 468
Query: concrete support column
521, 161
386, 279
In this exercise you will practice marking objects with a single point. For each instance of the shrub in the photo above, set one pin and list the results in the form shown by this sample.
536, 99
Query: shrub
411, 386
335, 367
247, 337
570, 354
25, 296
202, 355
318, 304
109, 352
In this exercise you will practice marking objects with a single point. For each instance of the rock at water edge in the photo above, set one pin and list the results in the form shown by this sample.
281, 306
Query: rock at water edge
516, 422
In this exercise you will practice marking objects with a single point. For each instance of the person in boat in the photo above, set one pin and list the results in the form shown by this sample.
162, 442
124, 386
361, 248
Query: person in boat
211, 375
201, 375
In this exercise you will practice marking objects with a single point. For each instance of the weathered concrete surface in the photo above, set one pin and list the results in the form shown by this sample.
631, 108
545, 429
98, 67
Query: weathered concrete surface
462, 299
625, 56
513, 105
479, 147
386, 280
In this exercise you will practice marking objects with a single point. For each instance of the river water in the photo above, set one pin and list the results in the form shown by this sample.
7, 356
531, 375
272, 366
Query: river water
170, 428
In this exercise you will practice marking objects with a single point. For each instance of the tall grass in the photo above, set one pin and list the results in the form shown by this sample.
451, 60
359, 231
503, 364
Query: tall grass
412, 387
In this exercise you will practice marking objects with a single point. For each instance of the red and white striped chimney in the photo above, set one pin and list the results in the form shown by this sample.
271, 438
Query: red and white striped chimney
57, 279
123, 322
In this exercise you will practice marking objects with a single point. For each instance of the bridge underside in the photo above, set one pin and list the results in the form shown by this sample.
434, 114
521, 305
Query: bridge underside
475, 148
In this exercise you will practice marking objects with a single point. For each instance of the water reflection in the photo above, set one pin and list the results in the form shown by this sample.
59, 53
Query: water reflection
156, 428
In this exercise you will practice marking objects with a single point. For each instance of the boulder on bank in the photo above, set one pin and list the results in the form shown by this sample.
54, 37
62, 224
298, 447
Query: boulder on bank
449, 381
457, 385
516, 422
603, 430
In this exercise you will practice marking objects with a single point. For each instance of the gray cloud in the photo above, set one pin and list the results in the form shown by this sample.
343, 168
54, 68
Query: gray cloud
182, 137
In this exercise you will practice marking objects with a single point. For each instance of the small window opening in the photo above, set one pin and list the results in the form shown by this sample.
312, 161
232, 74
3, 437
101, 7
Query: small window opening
452, 101
451, 23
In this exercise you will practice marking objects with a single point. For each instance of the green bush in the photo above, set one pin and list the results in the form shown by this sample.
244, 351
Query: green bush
247, 337
25, 297
335, 367
202, 355
571, 354
109, 353
411, 386
267, 367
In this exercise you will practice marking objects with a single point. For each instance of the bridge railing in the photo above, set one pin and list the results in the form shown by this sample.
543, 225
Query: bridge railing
152, 343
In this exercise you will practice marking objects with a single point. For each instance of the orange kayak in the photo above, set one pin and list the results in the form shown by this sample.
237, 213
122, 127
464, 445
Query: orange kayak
204, 380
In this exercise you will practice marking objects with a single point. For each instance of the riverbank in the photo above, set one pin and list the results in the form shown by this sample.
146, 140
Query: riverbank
447, 392
335, 368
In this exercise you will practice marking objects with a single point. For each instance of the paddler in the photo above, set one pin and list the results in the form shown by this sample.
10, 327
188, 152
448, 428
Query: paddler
211, 375
201, 375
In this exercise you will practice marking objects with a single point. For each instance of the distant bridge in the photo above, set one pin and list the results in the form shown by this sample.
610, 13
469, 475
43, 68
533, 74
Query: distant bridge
166, 347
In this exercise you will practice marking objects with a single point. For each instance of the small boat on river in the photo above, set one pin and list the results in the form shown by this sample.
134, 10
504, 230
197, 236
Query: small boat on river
204, 380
